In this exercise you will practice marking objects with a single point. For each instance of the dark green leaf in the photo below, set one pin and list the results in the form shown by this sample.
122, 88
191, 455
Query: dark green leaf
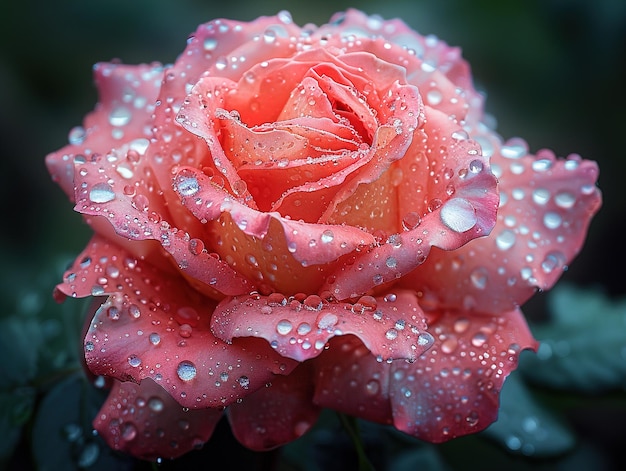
524, 427
584, 348
20, 339
16, 408
62, 433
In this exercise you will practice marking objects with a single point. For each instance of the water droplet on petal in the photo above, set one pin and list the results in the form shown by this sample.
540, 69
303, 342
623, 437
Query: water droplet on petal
186, 370
187, 186
458, 214
505, 240
101, 193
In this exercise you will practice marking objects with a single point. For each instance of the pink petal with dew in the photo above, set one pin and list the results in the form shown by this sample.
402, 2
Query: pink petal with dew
453, 389
443, 76
144, 421
154, 325
277, 414
256, 242
122, 117
299, 327
446, 197
546, 205
136, 215
449, 391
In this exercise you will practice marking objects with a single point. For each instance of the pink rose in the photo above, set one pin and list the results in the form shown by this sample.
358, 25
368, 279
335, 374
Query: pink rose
289, 219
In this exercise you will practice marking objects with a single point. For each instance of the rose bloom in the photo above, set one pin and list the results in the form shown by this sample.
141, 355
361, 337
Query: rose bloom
295, 218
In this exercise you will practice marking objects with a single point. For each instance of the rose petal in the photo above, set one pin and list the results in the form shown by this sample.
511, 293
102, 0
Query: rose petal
454, 388
545, 209
136, 217
351, 381
439, 70
154, 325
450, 390
145, 421
299, 328
258, 243
461, 205
122, 117
275, 415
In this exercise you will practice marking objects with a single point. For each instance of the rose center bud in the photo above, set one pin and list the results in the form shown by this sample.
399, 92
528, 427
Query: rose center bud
299, 134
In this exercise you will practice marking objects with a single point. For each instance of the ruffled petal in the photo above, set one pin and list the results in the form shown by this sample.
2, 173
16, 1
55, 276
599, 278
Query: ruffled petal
446, 197
277, 414
390, 327
256, 244
449, 391
145, 421
154, 325
546, 205
122, 118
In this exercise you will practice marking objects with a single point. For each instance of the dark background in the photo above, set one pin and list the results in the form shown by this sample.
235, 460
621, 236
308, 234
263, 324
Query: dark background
554, 72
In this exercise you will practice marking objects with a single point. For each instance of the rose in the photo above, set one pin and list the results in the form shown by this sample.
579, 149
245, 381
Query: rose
286, 215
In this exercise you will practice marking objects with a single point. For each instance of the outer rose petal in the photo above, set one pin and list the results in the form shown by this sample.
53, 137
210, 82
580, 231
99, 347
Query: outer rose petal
390, 327
449, 391
277, 414
145, 421
156, 326
136, 215
546, 206
122, 117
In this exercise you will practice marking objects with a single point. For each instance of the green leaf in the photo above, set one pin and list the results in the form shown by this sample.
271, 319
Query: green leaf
16, 408
20, 339
584, 347
62, 433
524, 427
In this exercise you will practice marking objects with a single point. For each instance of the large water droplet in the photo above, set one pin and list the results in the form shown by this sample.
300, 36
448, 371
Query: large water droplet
284, 327
458, 214
186, 370
101, 193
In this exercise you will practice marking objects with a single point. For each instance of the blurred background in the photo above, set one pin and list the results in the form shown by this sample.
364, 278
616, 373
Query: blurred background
554, 72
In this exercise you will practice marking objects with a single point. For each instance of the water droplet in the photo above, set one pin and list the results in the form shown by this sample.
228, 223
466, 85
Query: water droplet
134, 361
479, 339
77, 135
565, 200
129, 431
119, 116
410, 221
209, 44
187, 186
476, 166
155, 404
186, 370
391, 334
284, 327
479, 277
425, 339
541, 196
552, 220
244, 382
458, 214
461, 325
101, 193
372, 387
327, 236
505, 240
